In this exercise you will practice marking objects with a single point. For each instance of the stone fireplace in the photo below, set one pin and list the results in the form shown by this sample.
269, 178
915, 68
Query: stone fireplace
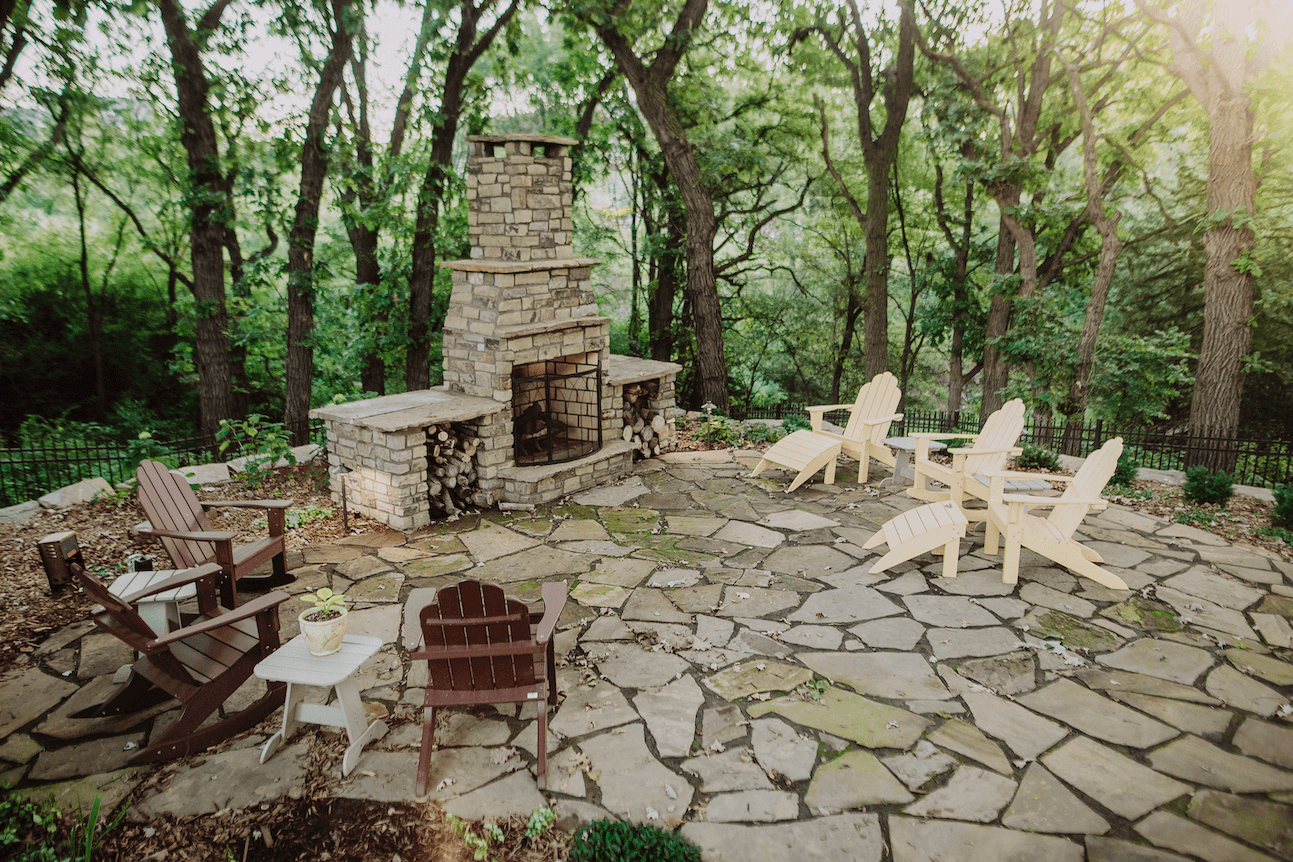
522, 335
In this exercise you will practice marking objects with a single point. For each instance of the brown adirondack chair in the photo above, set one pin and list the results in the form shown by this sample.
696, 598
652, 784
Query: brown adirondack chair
179, 521
201, 664
869, 419
485, 647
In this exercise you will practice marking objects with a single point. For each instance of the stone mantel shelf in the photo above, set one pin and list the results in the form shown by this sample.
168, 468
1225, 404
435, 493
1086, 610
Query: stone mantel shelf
511, 266
523, 329
408, 410
531, 137
622, 370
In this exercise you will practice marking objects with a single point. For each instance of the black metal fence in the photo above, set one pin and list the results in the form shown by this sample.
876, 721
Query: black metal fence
37, 467
1258, 460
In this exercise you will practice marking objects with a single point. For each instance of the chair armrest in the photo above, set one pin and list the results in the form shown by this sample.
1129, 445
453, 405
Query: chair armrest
934, 435
823, 408
180, 579
1015, 474
192, 535
554, 602
1030, 500
251, 609
245, 504
965, 453
880, 420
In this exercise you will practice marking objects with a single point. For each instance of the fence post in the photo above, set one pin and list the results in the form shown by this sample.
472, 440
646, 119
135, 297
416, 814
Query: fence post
1099, 433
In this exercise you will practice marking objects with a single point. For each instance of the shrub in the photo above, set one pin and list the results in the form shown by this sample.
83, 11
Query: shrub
1282, 514
1204, 487
718, 431
617, 841
1125, 473
757, 432
1035, 456
795, 422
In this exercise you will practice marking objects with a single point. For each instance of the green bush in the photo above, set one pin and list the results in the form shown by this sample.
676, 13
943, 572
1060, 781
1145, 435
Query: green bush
719, 431
757, 432
1282, 515
795, 422
1125, 473
617, 841
1204, 487
1036, 457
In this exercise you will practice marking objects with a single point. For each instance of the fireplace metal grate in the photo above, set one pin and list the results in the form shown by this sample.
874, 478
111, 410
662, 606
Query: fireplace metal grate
556, 409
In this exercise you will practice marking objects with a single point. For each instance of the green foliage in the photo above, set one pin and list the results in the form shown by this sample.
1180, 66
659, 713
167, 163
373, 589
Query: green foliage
1281, 534
37, 832
541, 820
1201, 517
261, 444
1035, 457
490, 834
1125, 471
325, 600
719, 431
795, 422
1204, 487
619, 841
1282, 514
757, 432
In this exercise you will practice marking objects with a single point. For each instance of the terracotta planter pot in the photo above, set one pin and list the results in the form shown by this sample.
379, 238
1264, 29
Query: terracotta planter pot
323, 638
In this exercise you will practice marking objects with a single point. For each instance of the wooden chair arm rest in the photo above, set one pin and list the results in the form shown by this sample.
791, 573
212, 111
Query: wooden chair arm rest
188, 576
1030, 500
1014, 474
554, 602
823, 408
245, 504
258, 606
193, 535
934, 435
965, 453
880, 420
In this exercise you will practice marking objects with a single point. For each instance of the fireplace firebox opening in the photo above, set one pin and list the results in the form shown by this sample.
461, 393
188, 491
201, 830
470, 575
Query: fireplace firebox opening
556, 409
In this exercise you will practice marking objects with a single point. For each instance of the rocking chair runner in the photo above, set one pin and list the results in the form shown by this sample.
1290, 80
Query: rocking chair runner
179, 521
200, 664
481, 648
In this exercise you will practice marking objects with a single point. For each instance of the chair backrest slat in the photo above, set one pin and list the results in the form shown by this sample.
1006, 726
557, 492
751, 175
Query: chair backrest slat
878, 397
1087, 484
1000, 431
170, 504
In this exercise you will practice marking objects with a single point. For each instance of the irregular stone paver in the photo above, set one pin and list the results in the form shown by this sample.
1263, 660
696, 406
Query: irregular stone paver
721, 724
752, 642
1122, 681
1097, 716
27, 694
985, 581
1232, 687
817, 637
588, 710
756, 602
1026, 733
515, 795
233, 779
1275, 630
626, 572
86, 758
948, 611
917, 767
797, 521
1068, 629
1266, 824
696, 600
890, 675
1270, 742
566, 772
759, 806
1190, 717
1099, 849
749, 534
596, 595
1008, 674
810, 561
610, 628
714, 631
630, 666
1177, 833
749, 678
1264, 667
693, 525
853, 780
1195, 760
673, 578
966, 739
1118, 783
972, 794
734, 769
579, 530
842, 838
782, 751
78, 796
907, 585
1160, 658
382, 588
1206, 614
616, 494
102, 653
1202, 582
1043, 804
653, 606
670, 715
899, 633
959, 643
491, 542
634, 784
1123, 556
914, 840
851, 716
533, 564
434, 567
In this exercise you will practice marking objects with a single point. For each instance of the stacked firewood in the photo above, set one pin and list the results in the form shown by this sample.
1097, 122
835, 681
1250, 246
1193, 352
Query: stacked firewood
451, 469
645, 428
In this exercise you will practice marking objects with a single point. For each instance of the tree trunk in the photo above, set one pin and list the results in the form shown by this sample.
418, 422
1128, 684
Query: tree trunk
198, 137
852, 310
996, 372
876, 316
300, 246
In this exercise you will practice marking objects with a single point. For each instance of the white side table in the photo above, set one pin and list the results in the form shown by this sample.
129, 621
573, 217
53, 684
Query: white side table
903, 474
293, 664
160, 611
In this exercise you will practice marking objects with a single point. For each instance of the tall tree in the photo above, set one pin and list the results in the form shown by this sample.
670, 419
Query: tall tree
1214, 55
650, 74
850, 42
300, 248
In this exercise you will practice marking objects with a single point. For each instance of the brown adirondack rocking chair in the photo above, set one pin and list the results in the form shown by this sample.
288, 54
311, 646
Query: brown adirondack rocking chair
485, 647
201, 664
179, 521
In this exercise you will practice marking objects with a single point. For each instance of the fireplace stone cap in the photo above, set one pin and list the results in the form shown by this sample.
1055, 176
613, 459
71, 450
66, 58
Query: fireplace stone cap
409, 410
621, 370
478, 265
532, 137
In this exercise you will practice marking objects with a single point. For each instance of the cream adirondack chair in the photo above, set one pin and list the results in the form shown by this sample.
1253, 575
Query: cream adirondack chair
1052, 537
967, 475
869, 419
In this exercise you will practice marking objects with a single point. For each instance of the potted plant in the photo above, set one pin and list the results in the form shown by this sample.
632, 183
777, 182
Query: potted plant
324, 625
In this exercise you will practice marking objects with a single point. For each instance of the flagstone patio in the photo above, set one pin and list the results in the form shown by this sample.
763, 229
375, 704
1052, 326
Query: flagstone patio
730, 666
